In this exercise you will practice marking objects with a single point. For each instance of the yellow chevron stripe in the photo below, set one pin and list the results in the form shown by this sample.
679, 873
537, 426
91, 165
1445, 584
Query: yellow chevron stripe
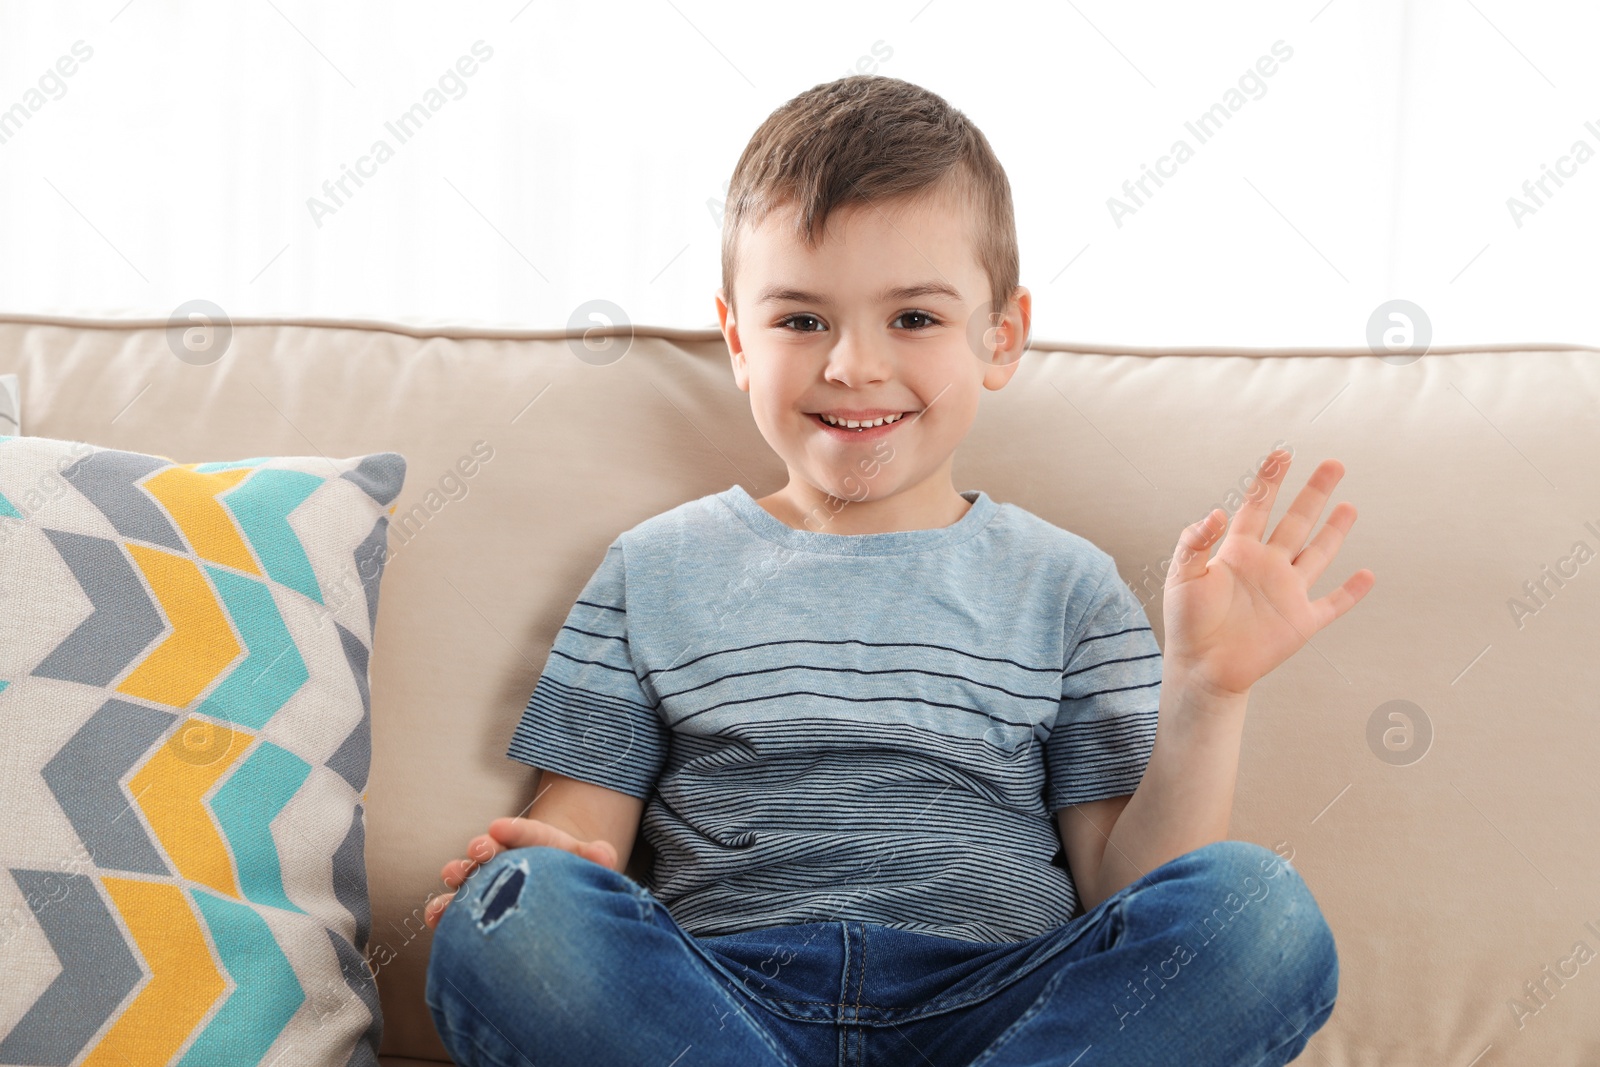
201, 644
184, 981
170, 788
191, 499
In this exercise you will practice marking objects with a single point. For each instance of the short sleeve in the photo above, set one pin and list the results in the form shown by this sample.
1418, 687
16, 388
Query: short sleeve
588, 716
1110, 690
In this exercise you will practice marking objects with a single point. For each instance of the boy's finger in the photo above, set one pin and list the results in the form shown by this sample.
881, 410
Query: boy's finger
1194, 547
480, 850
458, 871
435, 908
525, 833
1251, 519
483, 848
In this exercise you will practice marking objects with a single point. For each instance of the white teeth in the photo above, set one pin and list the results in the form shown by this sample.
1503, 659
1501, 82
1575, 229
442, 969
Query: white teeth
854, 424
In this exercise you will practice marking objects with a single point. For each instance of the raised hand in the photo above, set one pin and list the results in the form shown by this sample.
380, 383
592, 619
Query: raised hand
1232, 618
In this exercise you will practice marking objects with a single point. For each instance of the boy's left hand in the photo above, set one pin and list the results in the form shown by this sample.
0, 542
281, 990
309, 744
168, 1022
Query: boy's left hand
1231, 619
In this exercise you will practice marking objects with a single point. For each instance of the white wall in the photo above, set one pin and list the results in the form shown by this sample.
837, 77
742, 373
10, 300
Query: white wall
586, 156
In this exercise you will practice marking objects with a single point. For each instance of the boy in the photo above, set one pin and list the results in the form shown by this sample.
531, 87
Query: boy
921, 785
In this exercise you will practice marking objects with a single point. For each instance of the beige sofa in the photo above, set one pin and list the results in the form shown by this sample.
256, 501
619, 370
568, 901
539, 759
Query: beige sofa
1458, 884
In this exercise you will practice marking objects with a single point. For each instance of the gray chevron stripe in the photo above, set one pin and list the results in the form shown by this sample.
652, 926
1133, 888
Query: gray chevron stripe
124, 621
358, 976
106, 478
350, 877
381, 475
361, 1055
98, 970
353, 757
84, 777
371, 555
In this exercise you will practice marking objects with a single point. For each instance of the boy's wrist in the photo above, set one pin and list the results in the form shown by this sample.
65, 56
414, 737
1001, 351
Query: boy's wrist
1187, 691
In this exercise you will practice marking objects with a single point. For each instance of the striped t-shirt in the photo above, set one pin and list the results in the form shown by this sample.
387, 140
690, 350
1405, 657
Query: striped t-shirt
875, 727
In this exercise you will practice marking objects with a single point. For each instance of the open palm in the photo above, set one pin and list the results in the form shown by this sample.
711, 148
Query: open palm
1232, 618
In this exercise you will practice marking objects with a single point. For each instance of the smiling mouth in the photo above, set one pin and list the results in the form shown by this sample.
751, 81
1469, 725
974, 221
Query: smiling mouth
877, 427
863, 424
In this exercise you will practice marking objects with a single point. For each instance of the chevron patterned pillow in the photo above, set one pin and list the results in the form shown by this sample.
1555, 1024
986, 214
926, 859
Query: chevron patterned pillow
184, 742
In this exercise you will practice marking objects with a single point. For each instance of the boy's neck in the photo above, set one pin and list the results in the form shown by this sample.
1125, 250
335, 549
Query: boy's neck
933, 504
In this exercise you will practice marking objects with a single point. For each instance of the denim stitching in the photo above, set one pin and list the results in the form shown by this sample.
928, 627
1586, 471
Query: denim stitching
921, 1011
844, 991
1045, 995
861, 980
832, 1003
687, 943
979, 993
937, 1006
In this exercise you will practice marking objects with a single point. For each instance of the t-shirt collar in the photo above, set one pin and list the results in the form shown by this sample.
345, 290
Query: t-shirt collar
871, 544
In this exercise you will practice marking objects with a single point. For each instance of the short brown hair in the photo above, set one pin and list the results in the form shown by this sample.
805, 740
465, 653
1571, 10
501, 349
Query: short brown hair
869, 138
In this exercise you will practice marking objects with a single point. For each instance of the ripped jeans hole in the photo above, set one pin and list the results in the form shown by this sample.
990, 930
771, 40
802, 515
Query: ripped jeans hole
500, 897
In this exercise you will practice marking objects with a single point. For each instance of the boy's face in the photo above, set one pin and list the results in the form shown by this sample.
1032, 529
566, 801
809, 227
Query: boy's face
815, 333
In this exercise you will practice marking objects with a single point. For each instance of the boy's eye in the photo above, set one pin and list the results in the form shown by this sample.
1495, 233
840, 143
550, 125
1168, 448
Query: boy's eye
796, 318
929, 319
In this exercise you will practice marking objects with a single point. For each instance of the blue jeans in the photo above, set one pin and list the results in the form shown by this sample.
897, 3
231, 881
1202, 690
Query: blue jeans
545, 958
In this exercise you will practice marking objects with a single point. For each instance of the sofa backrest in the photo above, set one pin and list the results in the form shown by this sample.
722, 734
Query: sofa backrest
1427, 761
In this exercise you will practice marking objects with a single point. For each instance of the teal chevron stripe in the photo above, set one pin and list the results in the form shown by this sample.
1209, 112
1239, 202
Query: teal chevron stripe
273, 671
228, 465
262, 503
98, 970
3, 686
245, 806
7, 510
266, 993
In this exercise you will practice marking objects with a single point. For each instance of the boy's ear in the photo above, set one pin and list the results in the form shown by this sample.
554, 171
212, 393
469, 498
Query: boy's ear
1009, 339
729, 325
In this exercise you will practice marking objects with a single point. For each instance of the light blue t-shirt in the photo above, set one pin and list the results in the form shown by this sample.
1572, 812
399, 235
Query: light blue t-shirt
873, 727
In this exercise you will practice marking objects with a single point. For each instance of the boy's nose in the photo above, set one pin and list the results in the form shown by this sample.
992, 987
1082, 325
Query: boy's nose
856, 363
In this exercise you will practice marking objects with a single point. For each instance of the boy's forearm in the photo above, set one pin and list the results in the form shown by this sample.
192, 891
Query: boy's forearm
1185, 798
